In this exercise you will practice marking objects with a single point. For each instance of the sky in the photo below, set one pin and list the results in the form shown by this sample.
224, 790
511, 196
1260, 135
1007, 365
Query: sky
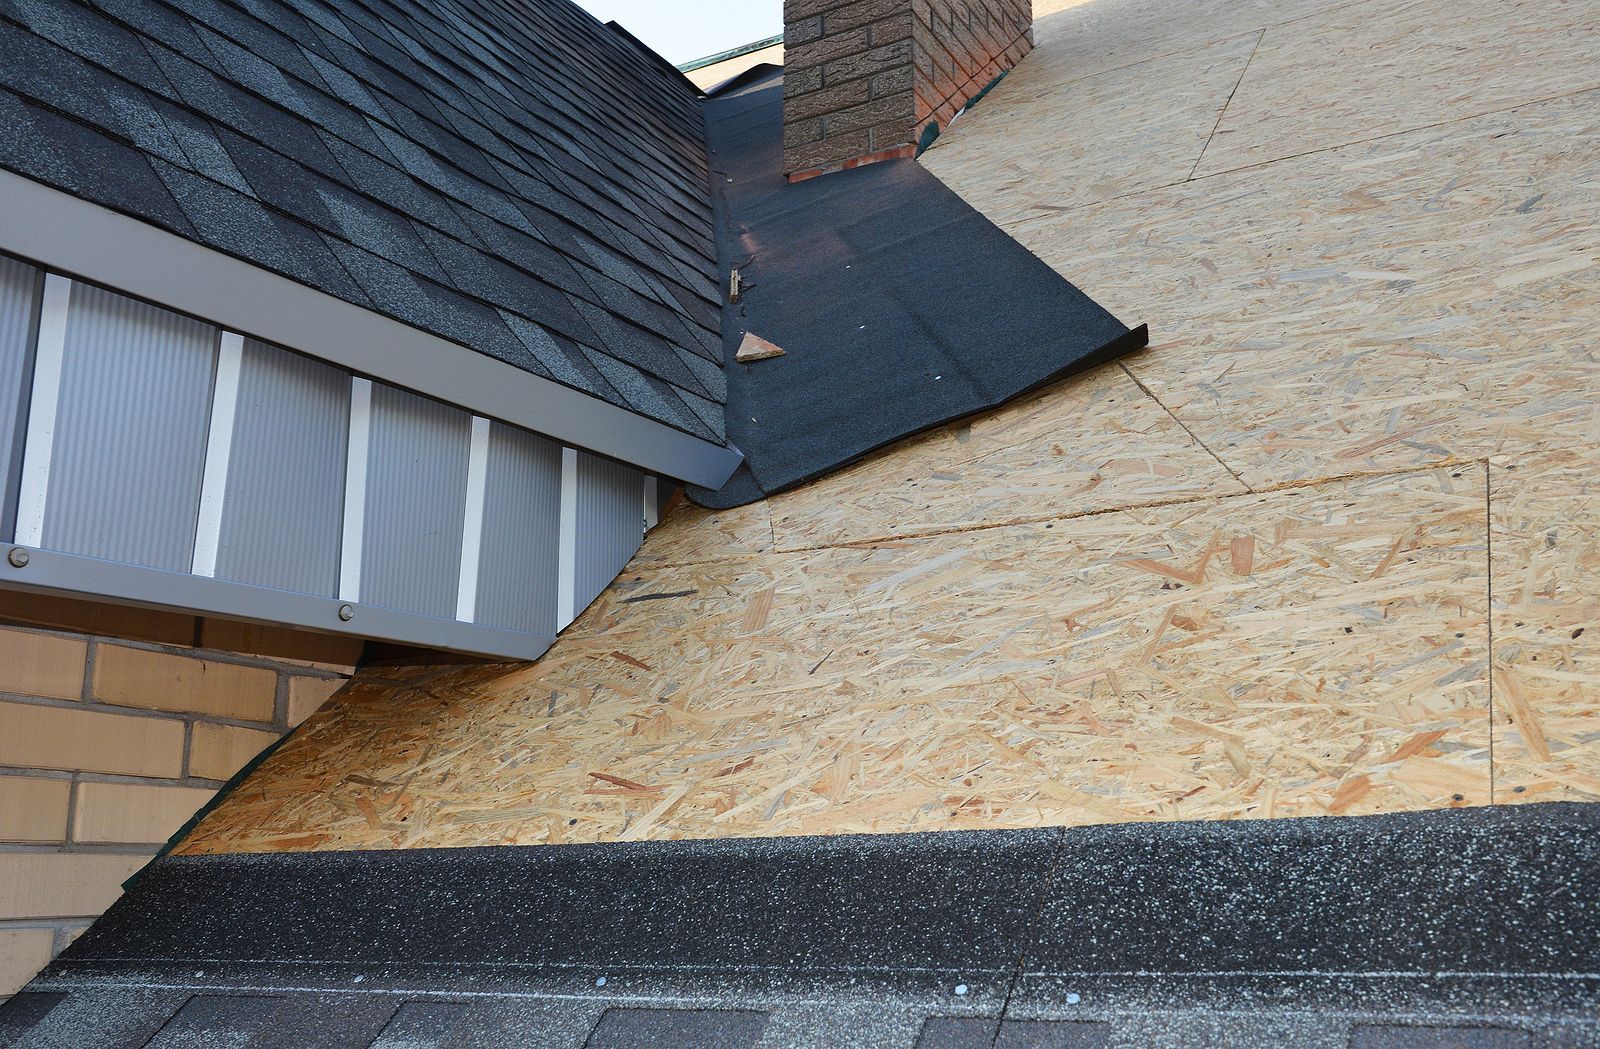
682, 30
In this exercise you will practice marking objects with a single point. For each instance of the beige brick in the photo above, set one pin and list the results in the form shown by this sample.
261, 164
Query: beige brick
306, 694
33, 809
62, 884
323, 651
41, 665
133, 677
64, 738
23, 952
133, 813
93, 617
218, 751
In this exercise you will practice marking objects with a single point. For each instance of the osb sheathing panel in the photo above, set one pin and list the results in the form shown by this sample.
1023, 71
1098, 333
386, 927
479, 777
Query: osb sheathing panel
1093, 442
1302, 652
1089, 37
1146, 132
1430, 297
1377, 68
1546, 616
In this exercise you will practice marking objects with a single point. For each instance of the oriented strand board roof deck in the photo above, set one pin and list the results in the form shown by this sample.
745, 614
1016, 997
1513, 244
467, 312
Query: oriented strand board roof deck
1331, 545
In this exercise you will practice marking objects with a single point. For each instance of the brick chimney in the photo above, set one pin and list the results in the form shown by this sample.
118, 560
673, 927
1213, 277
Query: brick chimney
863, 80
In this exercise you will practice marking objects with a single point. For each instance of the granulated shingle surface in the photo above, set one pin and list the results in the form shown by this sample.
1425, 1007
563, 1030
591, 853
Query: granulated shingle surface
1474, 928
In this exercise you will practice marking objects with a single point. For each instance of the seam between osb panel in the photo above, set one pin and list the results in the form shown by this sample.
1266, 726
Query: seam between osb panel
984, 526
1226, 103
1148, 392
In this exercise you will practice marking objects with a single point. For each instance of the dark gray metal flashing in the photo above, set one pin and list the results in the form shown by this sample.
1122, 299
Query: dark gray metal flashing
72, 575
1473, 929
64, 233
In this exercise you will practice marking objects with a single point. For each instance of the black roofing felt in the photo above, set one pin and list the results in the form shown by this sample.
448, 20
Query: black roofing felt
508, 174
898, 305
1473, 928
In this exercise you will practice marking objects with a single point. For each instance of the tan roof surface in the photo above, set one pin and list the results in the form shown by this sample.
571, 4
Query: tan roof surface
1332, 544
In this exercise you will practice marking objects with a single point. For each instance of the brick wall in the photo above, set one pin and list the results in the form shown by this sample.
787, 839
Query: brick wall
863, 78
115, 726
961, 46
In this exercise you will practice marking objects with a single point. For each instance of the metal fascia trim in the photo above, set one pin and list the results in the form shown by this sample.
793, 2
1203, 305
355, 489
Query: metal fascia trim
68, 234
73, 575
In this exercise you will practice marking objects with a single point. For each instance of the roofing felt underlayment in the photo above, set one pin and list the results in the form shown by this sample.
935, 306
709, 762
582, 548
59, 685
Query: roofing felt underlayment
898, 306
1471, 929
514, 177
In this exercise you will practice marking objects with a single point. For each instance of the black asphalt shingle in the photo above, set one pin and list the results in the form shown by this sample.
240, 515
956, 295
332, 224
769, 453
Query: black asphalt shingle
1468, 929
515, 177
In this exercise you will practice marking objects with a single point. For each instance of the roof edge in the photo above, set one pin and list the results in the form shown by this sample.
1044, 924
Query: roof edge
80, 238
732, 52
652, 54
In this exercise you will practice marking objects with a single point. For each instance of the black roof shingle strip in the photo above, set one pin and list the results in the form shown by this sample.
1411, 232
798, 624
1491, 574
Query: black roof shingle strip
450, 165
1472, 927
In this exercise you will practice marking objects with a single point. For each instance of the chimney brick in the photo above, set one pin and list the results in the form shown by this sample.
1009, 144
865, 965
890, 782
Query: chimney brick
863, 79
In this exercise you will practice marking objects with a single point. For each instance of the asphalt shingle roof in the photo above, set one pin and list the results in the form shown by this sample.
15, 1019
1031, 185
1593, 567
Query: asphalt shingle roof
507, 174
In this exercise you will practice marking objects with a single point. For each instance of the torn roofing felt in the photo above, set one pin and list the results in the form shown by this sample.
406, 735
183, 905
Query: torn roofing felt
898, 306
507, 174
1470, 927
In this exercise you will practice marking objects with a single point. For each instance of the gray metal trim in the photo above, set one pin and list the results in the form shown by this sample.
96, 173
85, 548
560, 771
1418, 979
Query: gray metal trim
72, 575
17, 354
283, 503
129, 437
417, 462
608, 532
518, 567
62, 232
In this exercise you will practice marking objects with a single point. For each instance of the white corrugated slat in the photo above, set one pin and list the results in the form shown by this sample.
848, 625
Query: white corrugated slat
355, 489
472, 521
219, 448
567, 570
39, 444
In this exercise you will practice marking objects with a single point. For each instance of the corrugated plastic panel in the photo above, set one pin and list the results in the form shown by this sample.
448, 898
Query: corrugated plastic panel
285, 493
19, 311
416, 501
130, 431
521, 532
610, 523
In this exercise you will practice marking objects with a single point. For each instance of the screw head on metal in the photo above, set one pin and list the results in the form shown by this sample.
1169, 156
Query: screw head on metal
18, 557
346, 613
